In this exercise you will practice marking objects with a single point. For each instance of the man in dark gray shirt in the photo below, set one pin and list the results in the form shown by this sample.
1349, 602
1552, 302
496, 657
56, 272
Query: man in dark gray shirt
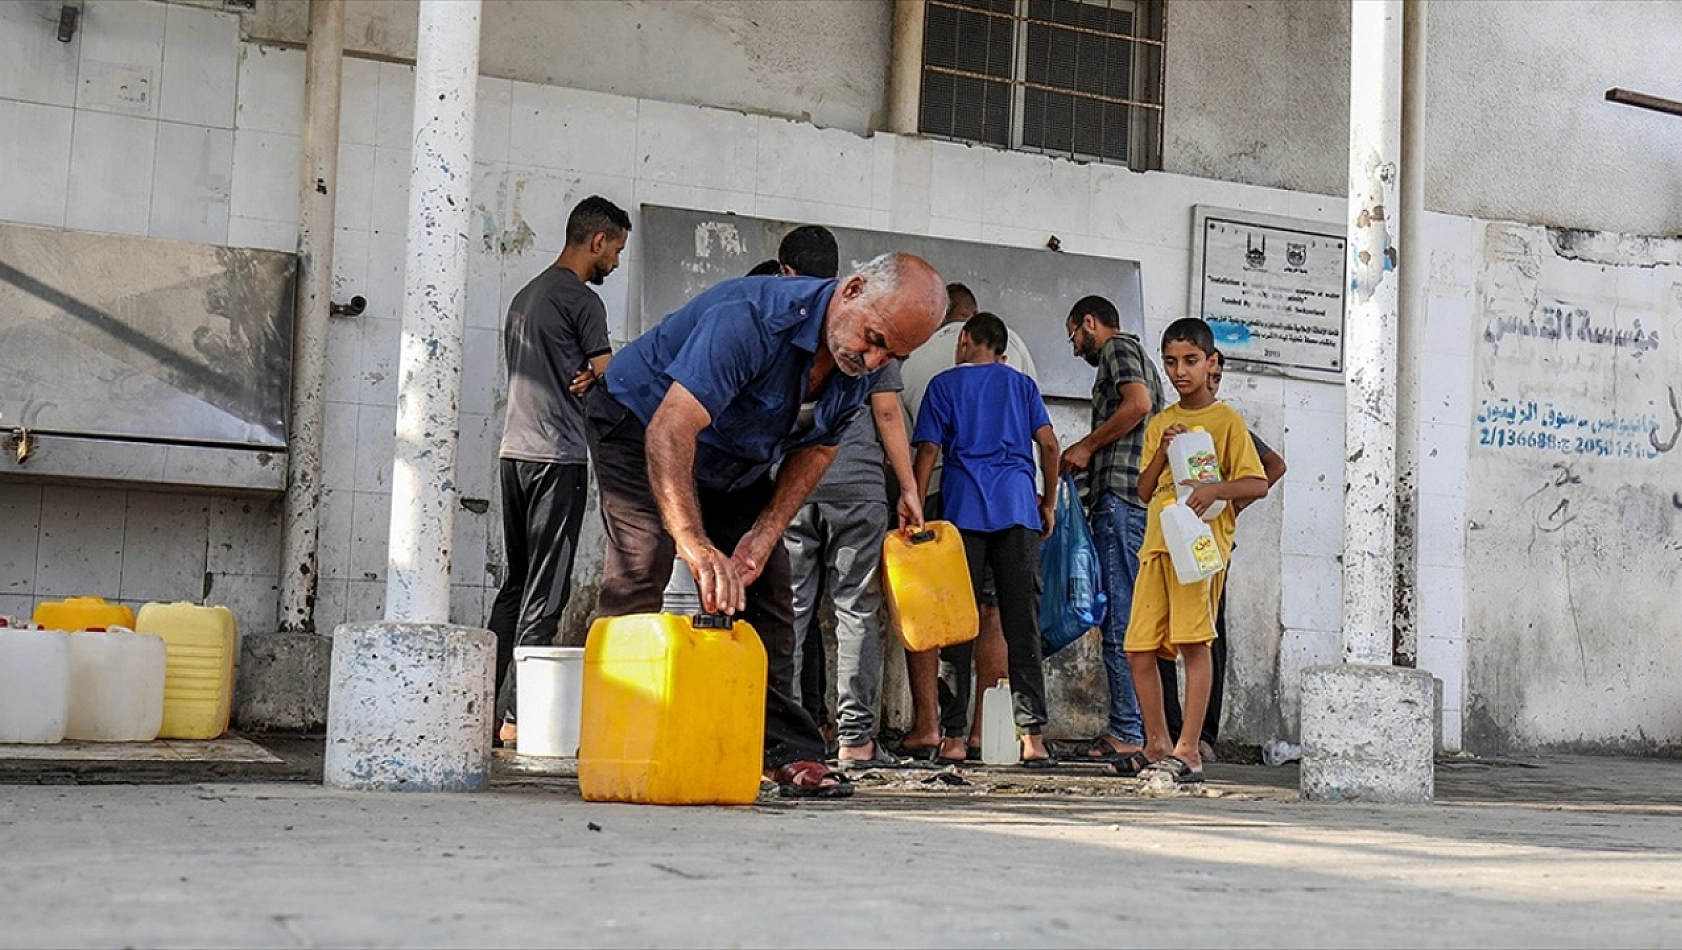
556, 344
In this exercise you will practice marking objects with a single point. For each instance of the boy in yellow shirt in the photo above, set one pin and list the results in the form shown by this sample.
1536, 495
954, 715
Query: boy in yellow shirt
1170, 618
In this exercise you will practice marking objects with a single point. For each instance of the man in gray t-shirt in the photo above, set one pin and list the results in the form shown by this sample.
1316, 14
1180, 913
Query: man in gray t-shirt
556, 345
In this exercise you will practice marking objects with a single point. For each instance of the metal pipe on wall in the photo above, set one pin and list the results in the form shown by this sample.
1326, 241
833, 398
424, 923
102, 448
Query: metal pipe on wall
1369, 538
423, 496
1413, 274
301, 528
905, 67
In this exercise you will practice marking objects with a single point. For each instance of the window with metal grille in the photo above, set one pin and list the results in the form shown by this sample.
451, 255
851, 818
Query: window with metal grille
1081, 78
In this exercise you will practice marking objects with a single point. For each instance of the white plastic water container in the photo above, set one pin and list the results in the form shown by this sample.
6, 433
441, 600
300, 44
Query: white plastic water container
1191, 457
1191, 545
116, 686
34, 684
550, 705
999, 745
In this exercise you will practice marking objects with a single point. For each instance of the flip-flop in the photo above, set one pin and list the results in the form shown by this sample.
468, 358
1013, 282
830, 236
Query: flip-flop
1127, 765
1098, 749
1177, 769
880, 759
811, 780
1041, 762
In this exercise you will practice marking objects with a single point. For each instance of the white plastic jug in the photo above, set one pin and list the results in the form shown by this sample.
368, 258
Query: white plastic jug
1191, 545
1191, 456
550, 705
999, 745
34, 684
116, 686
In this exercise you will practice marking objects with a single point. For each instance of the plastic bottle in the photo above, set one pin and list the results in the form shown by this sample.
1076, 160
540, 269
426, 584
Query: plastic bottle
999, 745
1191, 457
1191, 545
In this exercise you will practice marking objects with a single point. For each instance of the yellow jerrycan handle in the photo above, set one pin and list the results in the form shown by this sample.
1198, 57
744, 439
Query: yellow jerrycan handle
709, 622
922, 537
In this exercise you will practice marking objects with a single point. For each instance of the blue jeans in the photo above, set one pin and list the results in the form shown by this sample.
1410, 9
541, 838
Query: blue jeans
1118, 529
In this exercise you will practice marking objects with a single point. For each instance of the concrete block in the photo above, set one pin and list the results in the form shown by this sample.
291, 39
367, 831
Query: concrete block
1369, 734
281, 682
409, 707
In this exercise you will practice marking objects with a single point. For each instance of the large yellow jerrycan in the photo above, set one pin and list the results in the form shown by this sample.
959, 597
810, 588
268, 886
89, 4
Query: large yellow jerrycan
199, 677
82, 613
674, 711
926, 578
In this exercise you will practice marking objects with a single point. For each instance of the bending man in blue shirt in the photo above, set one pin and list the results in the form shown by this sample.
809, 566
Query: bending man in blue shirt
753, 373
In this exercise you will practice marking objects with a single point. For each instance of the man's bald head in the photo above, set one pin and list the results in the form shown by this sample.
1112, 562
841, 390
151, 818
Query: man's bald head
886, 308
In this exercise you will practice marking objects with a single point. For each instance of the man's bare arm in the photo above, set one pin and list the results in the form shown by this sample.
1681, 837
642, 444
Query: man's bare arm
1135, 407
890, 428
671, 476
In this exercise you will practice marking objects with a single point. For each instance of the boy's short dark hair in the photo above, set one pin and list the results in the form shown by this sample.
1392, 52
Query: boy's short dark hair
988, 330
770, 268
1190, 330
810, 251
960, 297
596, 215
1100, 308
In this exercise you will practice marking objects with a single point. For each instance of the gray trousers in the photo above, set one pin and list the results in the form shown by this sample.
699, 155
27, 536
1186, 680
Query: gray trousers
838, 546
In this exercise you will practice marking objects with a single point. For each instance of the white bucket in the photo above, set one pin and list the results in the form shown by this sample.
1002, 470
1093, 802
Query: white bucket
550, 704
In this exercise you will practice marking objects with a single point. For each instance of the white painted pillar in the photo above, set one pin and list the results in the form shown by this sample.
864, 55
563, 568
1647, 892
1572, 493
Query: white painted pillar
301, 528
423, 495
1413, 274
905, 67
1375, 112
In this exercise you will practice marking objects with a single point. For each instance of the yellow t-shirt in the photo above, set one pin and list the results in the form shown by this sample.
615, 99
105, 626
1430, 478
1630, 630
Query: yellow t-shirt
1234, 451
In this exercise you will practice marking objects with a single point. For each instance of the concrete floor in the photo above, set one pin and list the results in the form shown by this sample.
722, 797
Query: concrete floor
1560, 852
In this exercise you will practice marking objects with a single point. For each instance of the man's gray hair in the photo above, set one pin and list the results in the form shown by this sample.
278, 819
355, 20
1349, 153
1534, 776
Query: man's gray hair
882, 275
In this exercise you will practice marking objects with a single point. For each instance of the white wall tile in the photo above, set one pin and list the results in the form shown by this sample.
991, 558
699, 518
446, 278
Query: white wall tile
240, 532
254, 600
962, 229
1448, 327
353, 208
673, 195
257, 232
539, 200
164, 541
476, 459
467, 605
192, 183
1035, 192
1312, 588
1333, 209
376, 428
804, 211
469, 547
389, 193
359, 101
381, 340
268, 170
797, 161
1313, 447
122, 56
1164, 272
364, 601
1442, 531
81, 543
369, 535
573, 129
383, 285
1441, 608
344, 358
1149, 208
36, 67
395, 114
340, 439
200, 67
957, 184
706, 148
21, 606
1451, 239
111, 173
331, 603
493, 120
35, 152
1443, 460
20, 543
338, 509
481, 353
1314, 517
350, 265
484, 289
271, 90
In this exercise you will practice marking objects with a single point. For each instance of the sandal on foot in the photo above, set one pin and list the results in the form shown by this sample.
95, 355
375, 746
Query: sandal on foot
1041, 762
1177, 769
1098, 749
808, 779
879, 759
1127, 765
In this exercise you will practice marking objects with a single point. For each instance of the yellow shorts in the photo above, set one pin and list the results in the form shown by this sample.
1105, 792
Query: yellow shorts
1167, 613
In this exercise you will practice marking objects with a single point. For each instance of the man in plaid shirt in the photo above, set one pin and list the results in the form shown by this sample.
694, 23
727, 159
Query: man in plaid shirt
1124, 394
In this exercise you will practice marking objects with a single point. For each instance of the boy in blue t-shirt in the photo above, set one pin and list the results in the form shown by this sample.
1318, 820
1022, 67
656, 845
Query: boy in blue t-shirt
987, 418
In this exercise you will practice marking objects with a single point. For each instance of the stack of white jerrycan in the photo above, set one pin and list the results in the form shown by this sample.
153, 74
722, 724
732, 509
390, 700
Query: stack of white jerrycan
1191, 545
81, 671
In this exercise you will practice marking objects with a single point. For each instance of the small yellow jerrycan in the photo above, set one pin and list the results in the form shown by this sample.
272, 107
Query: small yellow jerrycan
82, 613
926, 578
199, 677
673, 711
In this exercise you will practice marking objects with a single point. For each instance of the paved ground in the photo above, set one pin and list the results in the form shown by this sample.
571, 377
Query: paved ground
1562, 852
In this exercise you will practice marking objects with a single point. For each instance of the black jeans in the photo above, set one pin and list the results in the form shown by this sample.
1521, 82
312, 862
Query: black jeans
1171, 684
542, 510
638, 563
1013, 555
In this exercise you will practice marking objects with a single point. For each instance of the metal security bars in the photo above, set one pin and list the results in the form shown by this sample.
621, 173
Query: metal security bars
1079, 78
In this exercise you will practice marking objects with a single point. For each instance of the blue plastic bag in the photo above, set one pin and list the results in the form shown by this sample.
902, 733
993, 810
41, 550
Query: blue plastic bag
1072, 600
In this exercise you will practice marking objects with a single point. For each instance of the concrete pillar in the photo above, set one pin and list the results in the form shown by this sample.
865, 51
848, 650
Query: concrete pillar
410, 708
1375, 112
302, 522
1368, 727
1413, 274
1368, 733
905, 68
423, 495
